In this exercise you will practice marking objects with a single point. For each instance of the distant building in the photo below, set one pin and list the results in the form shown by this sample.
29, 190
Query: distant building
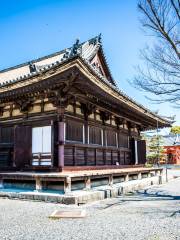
172, 149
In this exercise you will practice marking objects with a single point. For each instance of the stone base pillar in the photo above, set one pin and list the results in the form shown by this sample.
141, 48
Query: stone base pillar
127, 178
87, 183
67, 185
38, 184
139, 176
1, 183
110, 180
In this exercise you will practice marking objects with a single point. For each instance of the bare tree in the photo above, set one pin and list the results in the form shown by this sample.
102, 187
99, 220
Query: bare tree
161, 74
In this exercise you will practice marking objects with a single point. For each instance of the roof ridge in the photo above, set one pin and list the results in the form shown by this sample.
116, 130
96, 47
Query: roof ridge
98, 37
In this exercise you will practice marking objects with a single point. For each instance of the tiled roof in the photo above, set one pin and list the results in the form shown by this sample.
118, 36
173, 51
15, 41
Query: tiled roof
171, 140
86, 51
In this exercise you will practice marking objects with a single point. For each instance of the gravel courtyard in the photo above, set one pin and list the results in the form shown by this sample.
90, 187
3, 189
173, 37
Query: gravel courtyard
153, 215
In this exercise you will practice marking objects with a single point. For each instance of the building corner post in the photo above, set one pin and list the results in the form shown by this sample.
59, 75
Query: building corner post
136, 151
61, 138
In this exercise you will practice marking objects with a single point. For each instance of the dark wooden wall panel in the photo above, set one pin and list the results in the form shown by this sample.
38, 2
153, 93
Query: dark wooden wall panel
123, 140
115, 157
91, 157
111, 138
68, 156
108, 157
74, 131
141, 146
127, 158
122, 158
80, 157
95, 135
6, 146
22, 146
132, 147
99, 157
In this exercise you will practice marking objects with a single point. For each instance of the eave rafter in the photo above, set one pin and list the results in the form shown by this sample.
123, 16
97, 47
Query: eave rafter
42, 88
77, 75
98, 96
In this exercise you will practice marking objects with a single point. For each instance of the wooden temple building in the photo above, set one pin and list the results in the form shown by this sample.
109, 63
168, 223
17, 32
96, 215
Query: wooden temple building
65, 111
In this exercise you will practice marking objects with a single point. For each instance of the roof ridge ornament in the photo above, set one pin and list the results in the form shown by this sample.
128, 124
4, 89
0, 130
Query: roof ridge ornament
100, 38
66, 54
32, 67
75, 48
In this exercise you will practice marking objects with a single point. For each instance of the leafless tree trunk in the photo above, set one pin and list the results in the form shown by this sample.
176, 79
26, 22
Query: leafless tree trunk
161, 76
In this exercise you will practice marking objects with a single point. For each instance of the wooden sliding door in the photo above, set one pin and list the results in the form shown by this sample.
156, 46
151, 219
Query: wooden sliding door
41, 146
22, 146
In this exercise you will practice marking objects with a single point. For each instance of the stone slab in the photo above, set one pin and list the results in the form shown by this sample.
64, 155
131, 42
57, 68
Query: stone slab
68, 214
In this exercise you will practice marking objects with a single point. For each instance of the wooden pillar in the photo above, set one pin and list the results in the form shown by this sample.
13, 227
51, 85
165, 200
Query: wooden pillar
136, 151
61, 135
86, 132
67, 185
61, 131
86, 140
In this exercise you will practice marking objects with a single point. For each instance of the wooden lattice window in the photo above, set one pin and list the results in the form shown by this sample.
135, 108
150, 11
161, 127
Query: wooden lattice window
7, 135
95, 135
123, 140
111, 138
74, 131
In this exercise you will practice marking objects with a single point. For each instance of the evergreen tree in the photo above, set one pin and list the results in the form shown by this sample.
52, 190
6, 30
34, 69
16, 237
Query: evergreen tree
155, 154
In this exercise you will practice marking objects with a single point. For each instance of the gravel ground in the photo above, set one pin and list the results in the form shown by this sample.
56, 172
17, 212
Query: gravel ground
153, 214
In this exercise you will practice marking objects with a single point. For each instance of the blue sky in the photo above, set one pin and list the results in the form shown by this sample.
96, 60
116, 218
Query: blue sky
34, 28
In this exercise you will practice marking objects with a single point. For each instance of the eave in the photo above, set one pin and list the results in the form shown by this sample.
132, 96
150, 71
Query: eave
36, 81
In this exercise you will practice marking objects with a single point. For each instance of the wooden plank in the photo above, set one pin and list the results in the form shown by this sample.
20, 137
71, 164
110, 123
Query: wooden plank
108, 158
115, 157
68, 156
91, 157
22, 146
141, 146
99, 157
80, 156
